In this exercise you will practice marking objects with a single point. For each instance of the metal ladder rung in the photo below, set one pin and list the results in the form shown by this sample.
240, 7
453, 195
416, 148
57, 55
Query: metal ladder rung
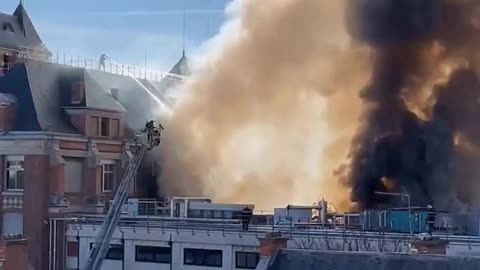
102, 243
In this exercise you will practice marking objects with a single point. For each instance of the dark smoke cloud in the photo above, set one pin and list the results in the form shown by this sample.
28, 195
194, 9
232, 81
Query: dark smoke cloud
410, 39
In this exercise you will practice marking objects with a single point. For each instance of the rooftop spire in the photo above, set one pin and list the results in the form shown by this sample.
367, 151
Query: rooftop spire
184, 30
26, 24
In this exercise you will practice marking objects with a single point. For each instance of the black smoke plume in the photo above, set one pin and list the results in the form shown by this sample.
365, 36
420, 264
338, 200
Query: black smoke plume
434, 158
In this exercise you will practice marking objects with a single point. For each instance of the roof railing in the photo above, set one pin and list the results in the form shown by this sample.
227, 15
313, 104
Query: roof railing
110, 66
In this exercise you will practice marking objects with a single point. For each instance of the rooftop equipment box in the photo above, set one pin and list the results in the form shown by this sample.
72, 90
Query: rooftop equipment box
292, 215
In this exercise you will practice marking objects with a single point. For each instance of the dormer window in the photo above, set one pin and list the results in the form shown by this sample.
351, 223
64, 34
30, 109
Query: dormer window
8, 27
77, 93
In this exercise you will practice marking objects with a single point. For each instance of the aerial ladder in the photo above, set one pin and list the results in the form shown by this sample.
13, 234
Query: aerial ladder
102, 243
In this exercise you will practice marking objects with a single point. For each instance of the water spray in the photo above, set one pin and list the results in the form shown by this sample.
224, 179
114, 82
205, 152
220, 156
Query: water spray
159, 101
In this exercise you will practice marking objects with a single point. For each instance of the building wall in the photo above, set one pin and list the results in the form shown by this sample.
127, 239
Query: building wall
16, 255
79, 121
231, 241
91, 180
36, 194
462, 249
89, 131
228, 242
57, 176
44, 175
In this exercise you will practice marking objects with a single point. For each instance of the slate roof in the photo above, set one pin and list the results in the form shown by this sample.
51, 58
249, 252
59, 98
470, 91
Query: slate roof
36, 89
42, 92
140, 105
168, 89
45, 89
325, 260
42, 89
16, 83
159, 89
24, 33
98, 97
182, 67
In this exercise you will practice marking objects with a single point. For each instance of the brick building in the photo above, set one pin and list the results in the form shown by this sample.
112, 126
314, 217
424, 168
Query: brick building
65, 136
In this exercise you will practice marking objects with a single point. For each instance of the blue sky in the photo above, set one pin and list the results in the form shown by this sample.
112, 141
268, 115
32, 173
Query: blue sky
123, 29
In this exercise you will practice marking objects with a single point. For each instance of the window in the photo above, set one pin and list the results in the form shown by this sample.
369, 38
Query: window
78, 90
8, 27
195, 213
115, 252
246, 260
72, 249
73, 175
108, 177
208, 213
105, 127
153, 254
115, 128
14, 173
218, 214
94, 125
202, 257
12, 223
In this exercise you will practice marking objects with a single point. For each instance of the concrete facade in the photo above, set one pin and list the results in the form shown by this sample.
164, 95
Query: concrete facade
310, 260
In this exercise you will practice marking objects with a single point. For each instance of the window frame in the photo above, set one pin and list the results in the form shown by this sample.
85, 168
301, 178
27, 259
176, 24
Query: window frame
114, 128
96, 122
110, 172
77, 93
109, 254
246, 254
151, 250
20, 218
8, 170
102, 126
68, 163
204, 255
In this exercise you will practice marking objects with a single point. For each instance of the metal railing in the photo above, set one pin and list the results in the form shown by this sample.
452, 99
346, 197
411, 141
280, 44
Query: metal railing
110, 66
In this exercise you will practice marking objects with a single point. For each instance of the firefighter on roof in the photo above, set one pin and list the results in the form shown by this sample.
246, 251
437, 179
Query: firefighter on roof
103, 58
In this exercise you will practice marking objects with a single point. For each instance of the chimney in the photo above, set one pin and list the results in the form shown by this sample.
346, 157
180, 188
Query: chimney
271, 243
7, 112
114, 93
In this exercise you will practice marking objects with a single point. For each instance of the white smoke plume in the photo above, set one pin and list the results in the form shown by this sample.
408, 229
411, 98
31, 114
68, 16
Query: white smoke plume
269, 113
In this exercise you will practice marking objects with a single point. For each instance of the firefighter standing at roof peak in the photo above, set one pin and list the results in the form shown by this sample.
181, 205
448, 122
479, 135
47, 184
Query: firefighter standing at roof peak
101, 63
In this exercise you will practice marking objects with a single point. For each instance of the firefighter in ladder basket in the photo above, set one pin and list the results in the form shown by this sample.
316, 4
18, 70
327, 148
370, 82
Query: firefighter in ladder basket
154, 133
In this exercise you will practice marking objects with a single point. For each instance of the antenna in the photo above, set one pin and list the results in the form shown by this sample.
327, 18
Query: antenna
208, 25
184, 28
145, 63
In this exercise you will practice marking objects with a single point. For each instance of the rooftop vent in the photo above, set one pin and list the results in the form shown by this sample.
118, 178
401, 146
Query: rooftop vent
8, 27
